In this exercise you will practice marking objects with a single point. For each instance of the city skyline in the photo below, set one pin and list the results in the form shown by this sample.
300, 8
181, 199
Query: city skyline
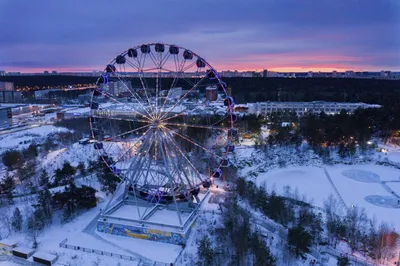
282, 36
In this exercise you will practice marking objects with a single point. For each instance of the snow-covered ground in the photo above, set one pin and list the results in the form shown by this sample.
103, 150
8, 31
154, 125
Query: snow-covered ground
52, 236
16, 140
312, 182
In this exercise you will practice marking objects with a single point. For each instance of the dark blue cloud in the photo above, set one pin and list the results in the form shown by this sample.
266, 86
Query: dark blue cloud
87, 34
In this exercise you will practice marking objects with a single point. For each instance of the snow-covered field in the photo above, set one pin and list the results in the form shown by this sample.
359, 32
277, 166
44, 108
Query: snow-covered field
16, 140
312, 182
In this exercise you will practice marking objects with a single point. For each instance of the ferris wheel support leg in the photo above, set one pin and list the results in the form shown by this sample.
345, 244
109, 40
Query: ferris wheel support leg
171, 184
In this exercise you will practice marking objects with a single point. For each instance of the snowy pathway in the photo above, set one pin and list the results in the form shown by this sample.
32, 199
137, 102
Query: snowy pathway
391, 191
335, 189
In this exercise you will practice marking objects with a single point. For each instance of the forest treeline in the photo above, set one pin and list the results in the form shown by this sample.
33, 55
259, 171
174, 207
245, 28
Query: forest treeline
245, 90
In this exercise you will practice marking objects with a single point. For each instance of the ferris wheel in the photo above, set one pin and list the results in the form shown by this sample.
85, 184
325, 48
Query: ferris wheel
163, 121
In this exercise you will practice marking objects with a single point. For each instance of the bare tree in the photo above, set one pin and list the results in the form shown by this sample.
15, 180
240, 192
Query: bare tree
383, 243
5, 222
35, 225
357, 224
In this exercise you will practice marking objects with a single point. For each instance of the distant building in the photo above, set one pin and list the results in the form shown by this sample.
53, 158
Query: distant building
349, 74
2, 72
5, 116
54, 72
265, 73
8, 93
6, 86
46, 72
303, 108
211, 93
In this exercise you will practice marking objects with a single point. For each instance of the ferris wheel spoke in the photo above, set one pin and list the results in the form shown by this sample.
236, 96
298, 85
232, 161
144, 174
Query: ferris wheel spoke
152, 57
133, 146
180, 99
145, 88
176, 172
165, 59
115, 100
176, 146
192, 142
173, 116
133, 94
176, 164
128, 132
179, 72
189, 66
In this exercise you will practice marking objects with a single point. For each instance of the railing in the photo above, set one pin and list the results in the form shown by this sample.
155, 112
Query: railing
63, 244
99, 252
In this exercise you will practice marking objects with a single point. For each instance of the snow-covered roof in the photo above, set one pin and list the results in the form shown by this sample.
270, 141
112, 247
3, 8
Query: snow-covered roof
45, 256
23, 250
8, 242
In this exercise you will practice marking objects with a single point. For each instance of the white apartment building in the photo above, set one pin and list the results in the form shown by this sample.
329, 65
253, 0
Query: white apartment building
302, 108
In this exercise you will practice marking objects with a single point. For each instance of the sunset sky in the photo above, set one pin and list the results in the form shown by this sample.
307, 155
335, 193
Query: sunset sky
280, 35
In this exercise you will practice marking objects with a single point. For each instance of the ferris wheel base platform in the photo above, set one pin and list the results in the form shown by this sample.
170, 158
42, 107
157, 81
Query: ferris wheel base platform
161, 224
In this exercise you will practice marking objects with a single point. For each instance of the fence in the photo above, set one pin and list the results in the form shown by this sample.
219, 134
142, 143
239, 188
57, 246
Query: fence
99, 252
114, 255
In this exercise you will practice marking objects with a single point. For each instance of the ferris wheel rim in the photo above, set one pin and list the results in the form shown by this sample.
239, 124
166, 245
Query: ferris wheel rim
125, 53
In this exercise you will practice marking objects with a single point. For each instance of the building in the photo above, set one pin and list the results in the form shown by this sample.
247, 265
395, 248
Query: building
303, 108
349, 74
5, 117
7, 245
8, 93
2, 72
211, 94
265, 73
6, 86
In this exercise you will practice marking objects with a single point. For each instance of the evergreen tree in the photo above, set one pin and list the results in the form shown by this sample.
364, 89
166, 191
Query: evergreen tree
8, 186
63, 175
44, 204
17, 220
81, 168
343, 261
44, 179
30, 152
11, 158
106, 177
261, 253
300, 240
205, 251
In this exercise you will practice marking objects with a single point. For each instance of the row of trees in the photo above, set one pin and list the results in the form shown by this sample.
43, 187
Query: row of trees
307, 228
239, 243
71, 201
361, 233
14, 158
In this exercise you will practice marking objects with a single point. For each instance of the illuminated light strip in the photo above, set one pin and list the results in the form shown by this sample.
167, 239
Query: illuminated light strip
170, 163
131, 131
171, 117
195, 126
112, 98
134, 145
181, 152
